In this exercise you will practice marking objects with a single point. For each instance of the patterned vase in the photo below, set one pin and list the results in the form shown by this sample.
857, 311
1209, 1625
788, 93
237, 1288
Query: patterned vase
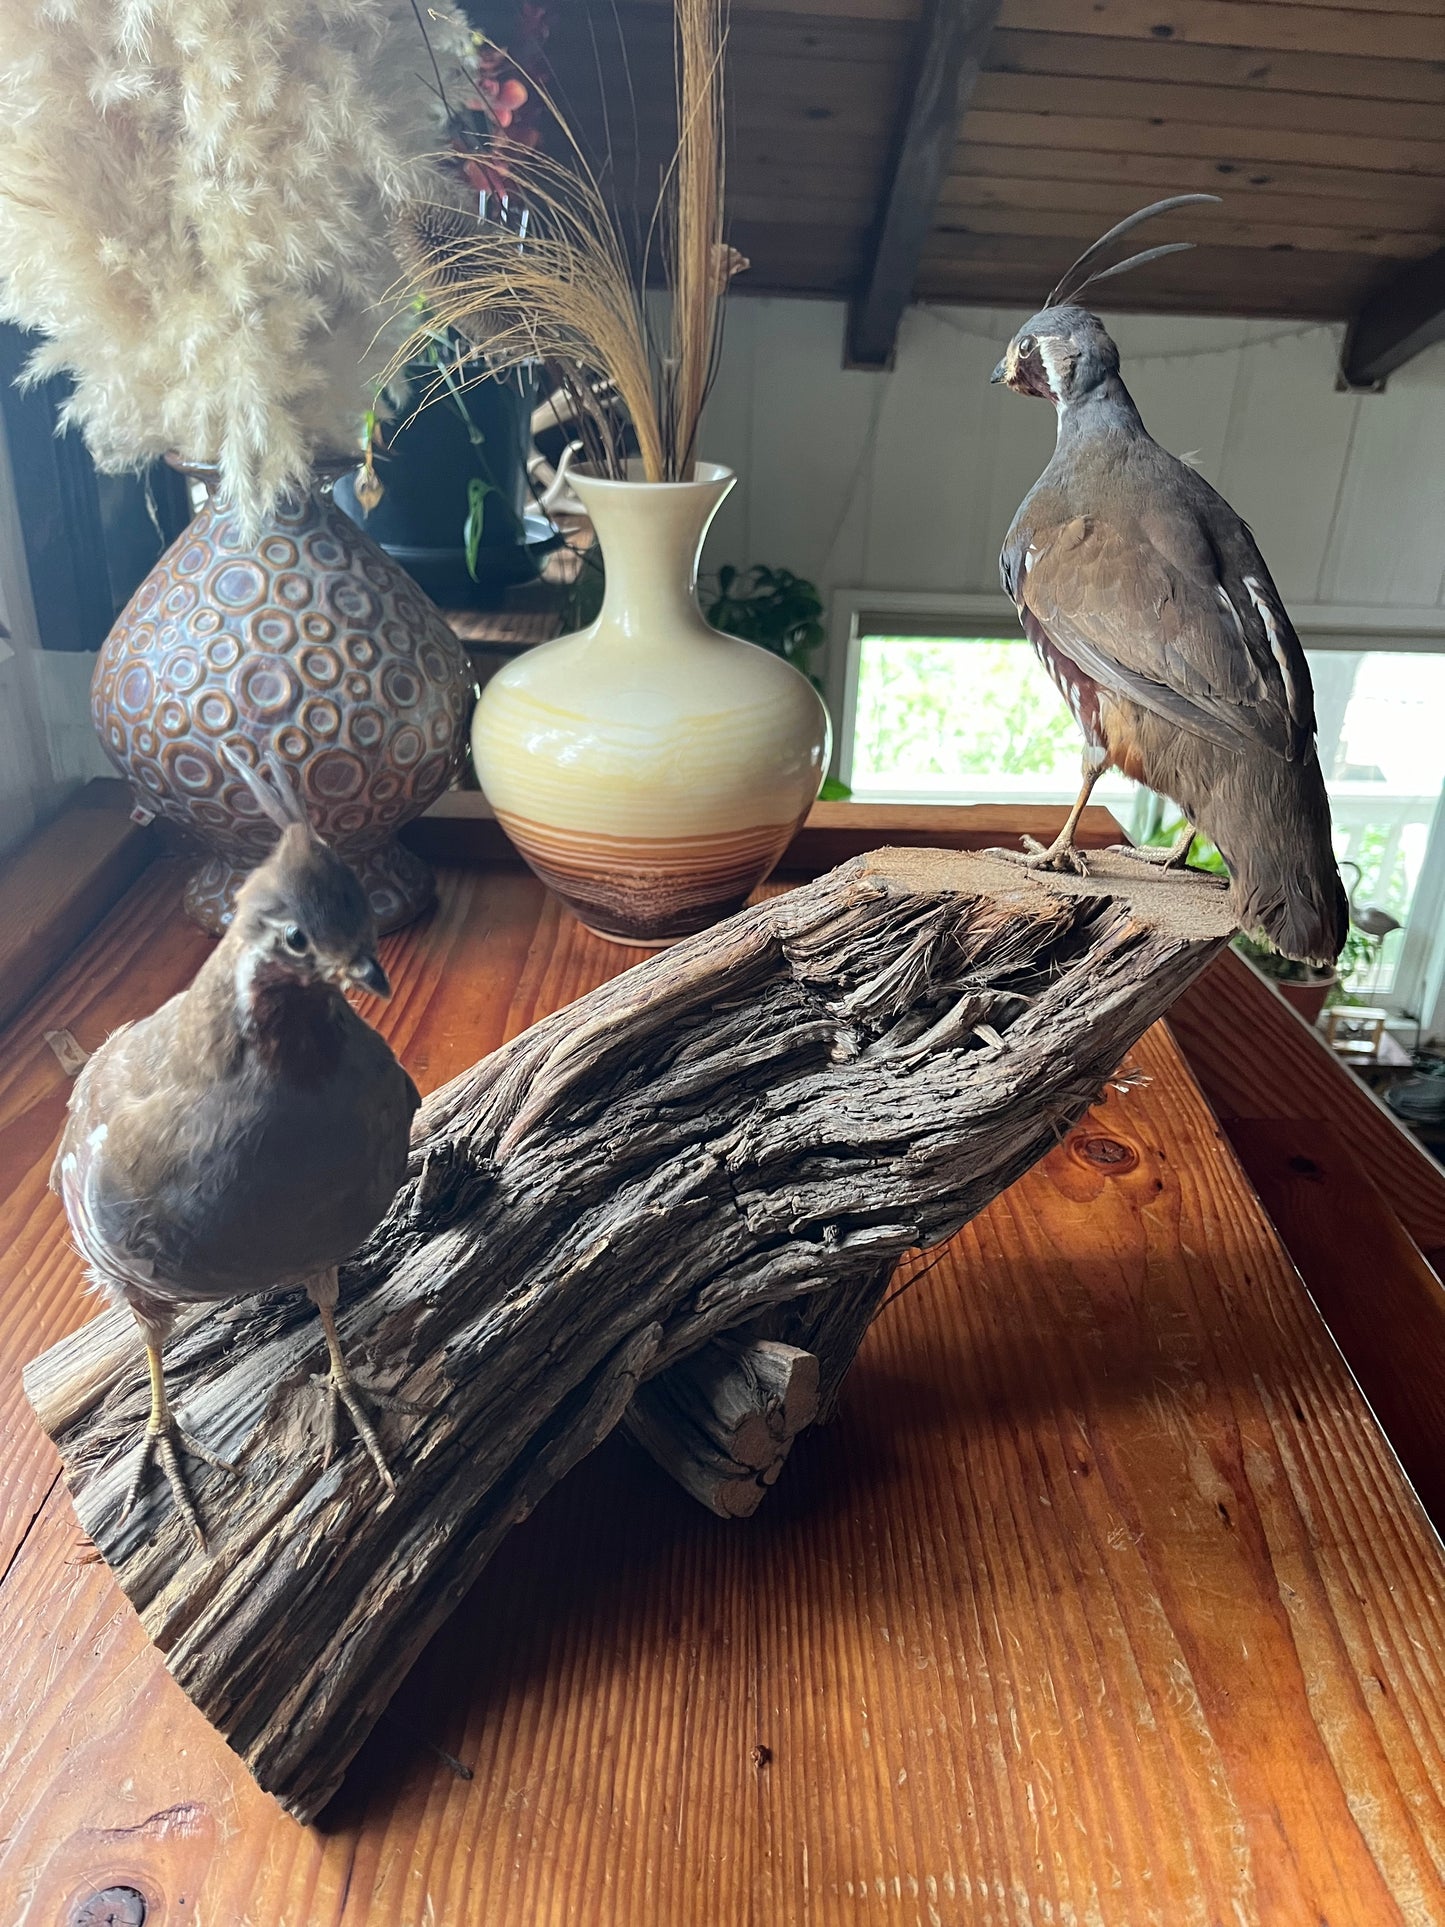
650, 769
309, 646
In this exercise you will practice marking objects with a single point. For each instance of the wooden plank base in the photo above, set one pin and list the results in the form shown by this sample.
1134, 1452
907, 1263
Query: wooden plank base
1102, 1597
1382, 1302
1256, 1057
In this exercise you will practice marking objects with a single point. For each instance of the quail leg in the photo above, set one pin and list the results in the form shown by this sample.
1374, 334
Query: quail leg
162, 1436
1060, 854
343, 1388
1174, 858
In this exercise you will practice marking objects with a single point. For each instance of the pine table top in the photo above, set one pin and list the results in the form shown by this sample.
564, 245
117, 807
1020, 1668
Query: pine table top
1103, 1600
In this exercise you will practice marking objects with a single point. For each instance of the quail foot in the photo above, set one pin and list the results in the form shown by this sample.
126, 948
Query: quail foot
1150, 605
249, 1134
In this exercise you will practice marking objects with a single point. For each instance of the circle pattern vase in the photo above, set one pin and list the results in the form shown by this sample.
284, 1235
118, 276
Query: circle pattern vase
310, 647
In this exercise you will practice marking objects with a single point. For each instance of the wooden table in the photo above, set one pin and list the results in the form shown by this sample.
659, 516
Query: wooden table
1103, 1601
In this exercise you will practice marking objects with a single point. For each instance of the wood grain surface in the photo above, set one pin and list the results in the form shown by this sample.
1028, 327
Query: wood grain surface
1162, 95
1256, 1057
1382, 1302
461, 828
1103, 1599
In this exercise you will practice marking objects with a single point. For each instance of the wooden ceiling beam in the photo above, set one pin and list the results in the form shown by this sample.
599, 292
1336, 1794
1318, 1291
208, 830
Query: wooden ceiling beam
1396, 323
947, 54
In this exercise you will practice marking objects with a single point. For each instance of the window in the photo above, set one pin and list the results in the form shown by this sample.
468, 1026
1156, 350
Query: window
965, 719
973, 716
1382, 749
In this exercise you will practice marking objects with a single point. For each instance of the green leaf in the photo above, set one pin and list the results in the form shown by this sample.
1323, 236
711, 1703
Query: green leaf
833, 791
477, 493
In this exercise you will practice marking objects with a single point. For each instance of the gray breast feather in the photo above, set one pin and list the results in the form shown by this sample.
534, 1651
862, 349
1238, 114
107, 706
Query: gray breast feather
245, 1185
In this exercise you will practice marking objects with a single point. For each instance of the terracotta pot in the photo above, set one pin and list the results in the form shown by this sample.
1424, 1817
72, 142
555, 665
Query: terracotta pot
651, 769
308, 646
1307, 998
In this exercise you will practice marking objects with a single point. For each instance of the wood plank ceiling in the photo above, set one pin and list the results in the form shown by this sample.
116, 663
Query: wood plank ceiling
1322, 127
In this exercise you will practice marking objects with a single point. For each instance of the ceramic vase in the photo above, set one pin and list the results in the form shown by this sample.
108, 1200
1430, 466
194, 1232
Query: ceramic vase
307, 646
649, 768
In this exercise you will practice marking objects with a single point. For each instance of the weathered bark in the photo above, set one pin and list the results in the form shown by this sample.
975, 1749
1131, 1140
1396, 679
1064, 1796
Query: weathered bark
740, 1136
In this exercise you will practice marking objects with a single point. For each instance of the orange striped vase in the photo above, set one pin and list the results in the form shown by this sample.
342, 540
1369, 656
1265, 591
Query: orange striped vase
650, 769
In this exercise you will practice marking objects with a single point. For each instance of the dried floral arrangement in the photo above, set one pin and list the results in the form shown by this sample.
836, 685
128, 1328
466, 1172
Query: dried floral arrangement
196, 210
567, 290
505, 105
496, 112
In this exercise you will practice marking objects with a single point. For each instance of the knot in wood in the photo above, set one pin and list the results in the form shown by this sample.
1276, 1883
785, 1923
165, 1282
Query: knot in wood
110, 1907
1106, 1153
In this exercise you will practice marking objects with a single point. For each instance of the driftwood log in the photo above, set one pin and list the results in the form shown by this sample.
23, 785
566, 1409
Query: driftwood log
677, 1202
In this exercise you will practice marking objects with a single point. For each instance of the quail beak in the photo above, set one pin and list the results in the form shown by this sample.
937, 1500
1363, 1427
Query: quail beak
1000, 373
367, 974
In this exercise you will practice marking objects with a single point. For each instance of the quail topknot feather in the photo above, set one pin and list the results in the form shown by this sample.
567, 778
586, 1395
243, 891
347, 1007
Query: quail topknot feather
251, 1132
1151, 606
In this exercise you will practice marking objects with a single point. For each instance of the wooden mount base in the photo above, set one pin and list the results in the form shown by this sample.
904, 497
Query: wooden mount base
723, 1420
678, 1201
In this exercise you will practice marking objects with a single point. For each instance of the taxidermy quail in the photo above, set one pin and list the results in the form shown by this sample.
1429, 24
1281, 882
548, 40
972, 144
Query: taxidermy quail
251, 1132
1154, 612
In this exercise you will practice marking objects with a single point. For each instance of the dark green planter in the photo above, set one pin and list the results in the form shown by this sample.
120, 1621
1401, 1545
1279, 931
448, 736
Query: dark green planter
426, 471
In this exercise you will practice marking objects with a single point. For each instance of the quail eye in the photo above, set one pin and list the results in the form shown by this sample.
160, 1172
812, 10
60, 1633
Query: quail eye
1027, 344
295, 938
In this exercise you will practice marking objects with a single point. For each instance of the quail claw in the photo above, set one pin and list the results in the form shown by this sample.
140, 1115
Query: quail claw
342, 1389
1172, 861
160, 1442
1041, 856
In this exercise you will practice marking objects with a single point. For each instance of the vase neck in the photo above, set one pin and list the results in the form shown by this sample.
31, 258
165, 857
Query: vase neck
651, 534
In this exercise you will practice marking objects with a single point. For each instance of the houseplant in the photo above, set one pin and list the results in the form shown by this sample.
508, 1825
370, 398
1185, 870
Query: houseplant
650, 768
445, 490
771, 607
194, 210
1301, 985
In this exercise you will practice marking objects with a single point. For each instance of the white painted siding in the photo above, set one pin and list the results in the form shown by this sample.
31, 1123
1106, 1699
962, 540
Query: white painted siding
908, 480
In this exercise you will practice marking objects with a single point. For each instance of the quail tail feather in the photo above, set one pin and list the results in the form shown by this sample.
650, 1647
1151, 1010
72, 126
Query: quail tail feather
1304, 915
1274, 833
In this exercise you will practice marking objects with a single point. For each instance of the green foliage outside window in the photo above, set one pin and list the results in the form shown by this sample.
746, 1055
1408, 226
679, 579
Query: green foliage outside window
983, 708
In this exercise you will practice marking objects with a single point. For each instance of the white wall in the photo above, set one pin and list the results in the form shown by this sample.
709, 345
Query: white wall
909, 480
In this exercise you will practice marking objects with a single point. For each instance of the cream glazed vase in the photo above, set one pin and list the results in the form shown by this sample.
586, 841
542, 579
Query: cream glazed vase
651, 769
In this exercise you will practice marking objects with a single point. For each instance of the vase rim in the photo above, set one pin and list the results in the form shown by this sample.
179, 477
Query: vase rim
705, 475
326, 466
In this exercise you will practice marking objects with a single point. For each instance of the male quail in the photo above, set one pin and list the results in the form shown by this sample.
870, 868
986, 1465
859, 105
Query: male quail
248, 1134
1153, 610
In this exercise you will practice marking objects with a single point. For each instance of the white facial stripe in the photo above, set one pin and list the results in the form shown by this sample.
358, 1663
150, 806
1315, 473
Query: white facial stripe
245, 973
1053, 368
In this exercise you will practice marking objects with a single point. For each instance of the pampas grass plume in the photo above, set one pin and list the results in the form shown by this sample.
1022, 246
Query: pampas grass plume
196, 199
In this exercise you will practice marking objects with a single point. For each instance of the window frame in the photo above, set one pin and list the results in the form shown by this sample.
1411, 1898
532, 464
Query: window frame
1419, 986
